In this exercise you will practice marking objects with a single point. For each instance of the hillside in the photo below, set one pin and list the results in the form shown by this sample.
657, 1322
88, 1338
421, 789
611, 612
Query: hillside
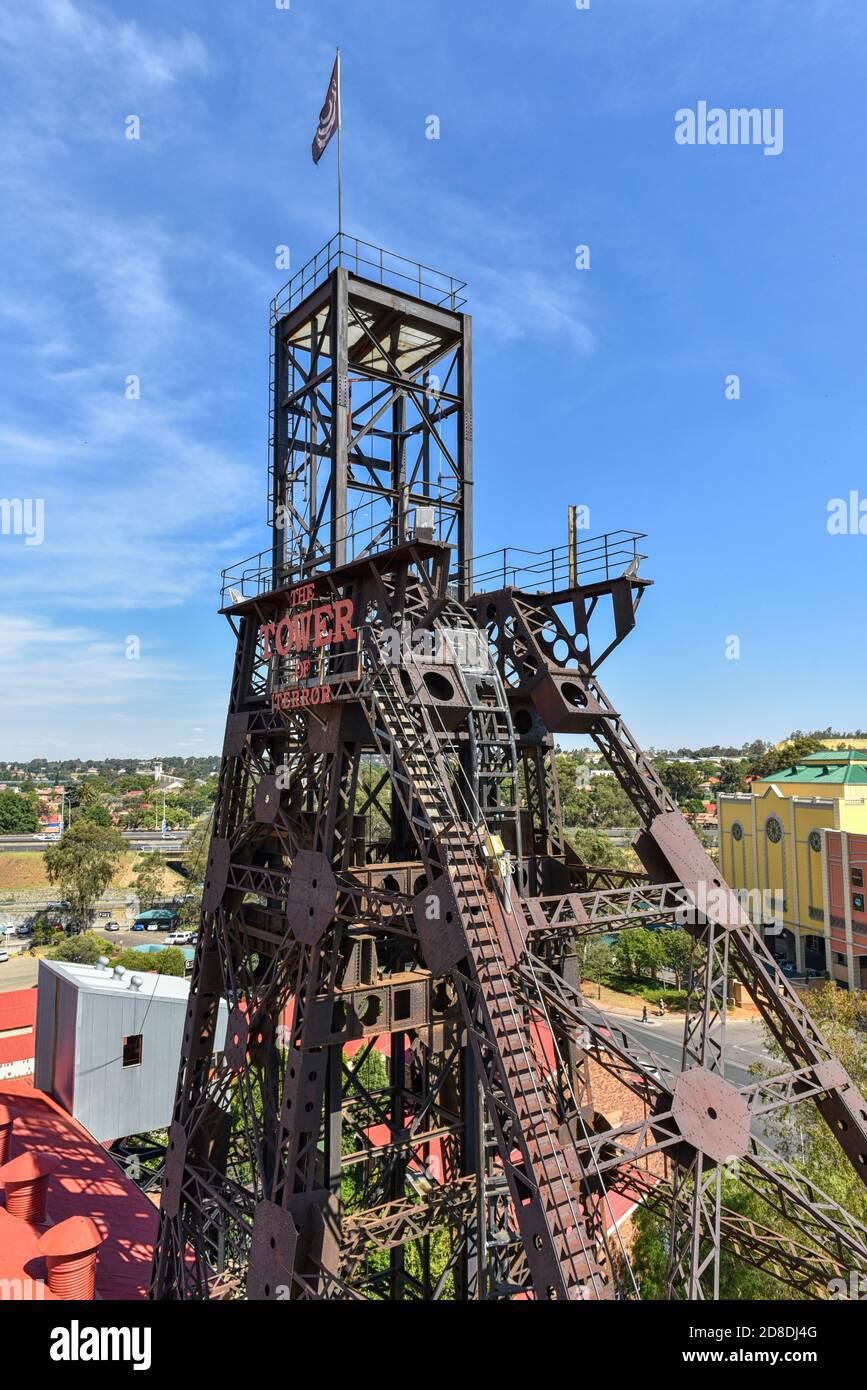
23, 870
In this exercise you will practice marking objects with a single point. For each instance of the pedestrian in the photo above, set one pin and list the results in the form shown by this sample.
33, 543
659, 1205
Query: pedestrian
644, 1014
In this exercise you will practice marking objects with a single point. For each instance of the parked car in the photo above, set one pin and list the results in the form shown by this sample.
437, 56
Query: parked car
24, 931
152, 926
179, 938
112, 926
138, 926
4, 955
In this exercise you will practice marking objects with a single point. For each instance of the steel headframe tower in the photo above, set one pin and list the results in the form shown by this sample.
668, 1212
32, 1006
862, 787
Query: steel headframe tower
402, 1104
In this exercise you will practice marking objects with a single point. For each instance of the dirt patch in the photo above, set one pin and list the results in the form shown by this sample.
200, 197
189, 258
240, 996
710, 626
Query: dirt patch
21, 870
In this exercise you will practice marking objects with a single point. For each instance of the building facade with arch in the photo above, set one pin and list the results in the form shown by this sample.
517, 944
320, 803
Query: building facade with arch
773, 846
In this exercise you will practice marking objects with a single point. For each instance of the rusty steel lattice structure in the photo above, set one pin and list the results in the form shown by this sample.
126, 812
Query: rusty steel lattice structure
403, 1107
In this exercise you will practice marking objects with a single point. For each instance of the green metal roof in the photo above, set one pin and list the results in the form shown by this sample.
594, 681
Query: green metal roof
842, 755
825, 770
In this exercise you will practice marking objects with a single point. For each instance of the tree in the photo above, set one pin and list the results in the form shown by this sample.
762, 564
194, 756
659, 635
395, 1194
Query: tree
605, 805
148, 879
168, 962
597, 960
647, 951
595, 847
801, 1133
84, 949
682, 780
18, 815
83, 864
781, 759
738, 1282
676, 953
731, 776
842, 1019
624, 954
190, 912
96, 813
43, 930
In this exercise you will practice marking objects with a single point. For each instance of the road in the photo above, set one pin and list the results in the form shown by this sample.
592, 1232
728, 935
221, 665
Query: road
744, 1043
172, 843
20, 971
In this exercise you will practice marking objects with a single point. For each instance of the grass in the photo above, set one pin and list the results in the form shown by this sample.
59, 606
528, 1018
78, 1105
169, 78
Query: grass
646, 989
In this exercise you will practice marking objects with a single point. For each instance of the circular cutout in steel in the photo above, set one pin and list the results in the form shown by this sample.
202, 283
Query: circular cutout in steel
438, 685
573, 694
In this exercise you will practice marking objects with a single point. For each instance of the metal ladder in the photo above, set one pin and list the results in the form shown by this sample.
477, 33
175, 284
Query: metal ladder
515, 1088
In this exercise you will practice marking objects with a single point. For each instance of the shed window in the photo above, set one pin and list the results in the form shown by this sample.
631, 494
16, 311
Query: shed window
132, 1050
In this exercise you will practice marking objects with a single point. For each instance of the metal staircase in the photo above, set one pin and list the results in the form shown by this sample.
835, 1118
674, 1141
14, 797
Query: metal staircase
543, 1187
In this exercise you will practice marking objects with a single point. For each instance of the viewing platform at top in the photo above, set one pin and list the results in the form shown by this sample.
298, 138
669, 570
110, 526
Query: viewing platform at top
595, 561
374, 263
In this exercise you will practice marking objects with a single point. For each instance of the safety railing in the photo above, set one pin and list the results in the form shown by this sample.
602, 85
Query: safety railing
595, 559
258, 574
369, 262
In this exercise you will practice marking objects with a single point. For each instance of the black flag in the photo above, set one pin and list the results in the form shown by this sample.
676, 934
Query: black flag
329, 116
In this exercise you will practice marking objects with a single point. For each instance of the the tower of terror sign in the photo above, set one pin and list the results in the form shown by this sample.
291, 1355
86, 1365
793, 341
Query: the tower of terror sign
303, 636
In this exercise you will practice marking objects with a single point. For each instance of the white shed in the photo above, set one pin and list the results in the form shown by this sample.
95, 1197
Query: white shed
108, 1045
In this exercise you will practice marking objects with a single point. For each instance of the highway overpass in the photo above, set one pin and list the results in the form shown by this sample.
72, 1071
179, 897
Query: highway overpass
170, 845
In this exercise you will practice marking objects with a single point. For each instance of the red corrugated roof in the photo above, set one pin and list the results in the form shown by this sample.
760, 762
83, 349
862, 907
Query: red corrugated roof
87, 1183
17, 1010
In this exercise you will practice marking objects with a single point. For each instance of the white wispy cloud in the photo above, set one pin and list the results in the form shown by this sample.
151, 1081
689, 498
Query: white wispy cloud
70, 690
75, 33
72, 667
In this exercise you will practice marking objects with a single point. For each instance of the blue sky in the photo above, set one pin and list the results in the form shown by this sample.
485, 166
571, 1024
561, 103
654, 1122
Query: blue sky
604, 387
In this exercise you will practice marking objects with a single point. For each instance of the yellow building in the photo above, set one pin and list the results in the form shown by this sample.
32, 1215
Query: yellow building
772, 845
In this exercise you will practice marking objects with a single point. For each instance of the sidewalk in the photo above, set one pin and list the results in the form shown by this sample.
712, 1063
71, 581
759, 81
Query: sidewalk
631, 1006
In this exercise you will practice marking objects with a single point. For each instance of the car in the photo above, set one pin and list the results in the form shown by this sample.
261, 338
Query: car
4, 955
40, 837
138, 926
24, 931
112, 926
152, 926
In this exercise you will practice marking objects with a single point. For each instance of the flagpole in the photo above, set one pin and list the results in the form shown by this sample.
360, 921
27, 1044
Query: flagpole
339, 181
